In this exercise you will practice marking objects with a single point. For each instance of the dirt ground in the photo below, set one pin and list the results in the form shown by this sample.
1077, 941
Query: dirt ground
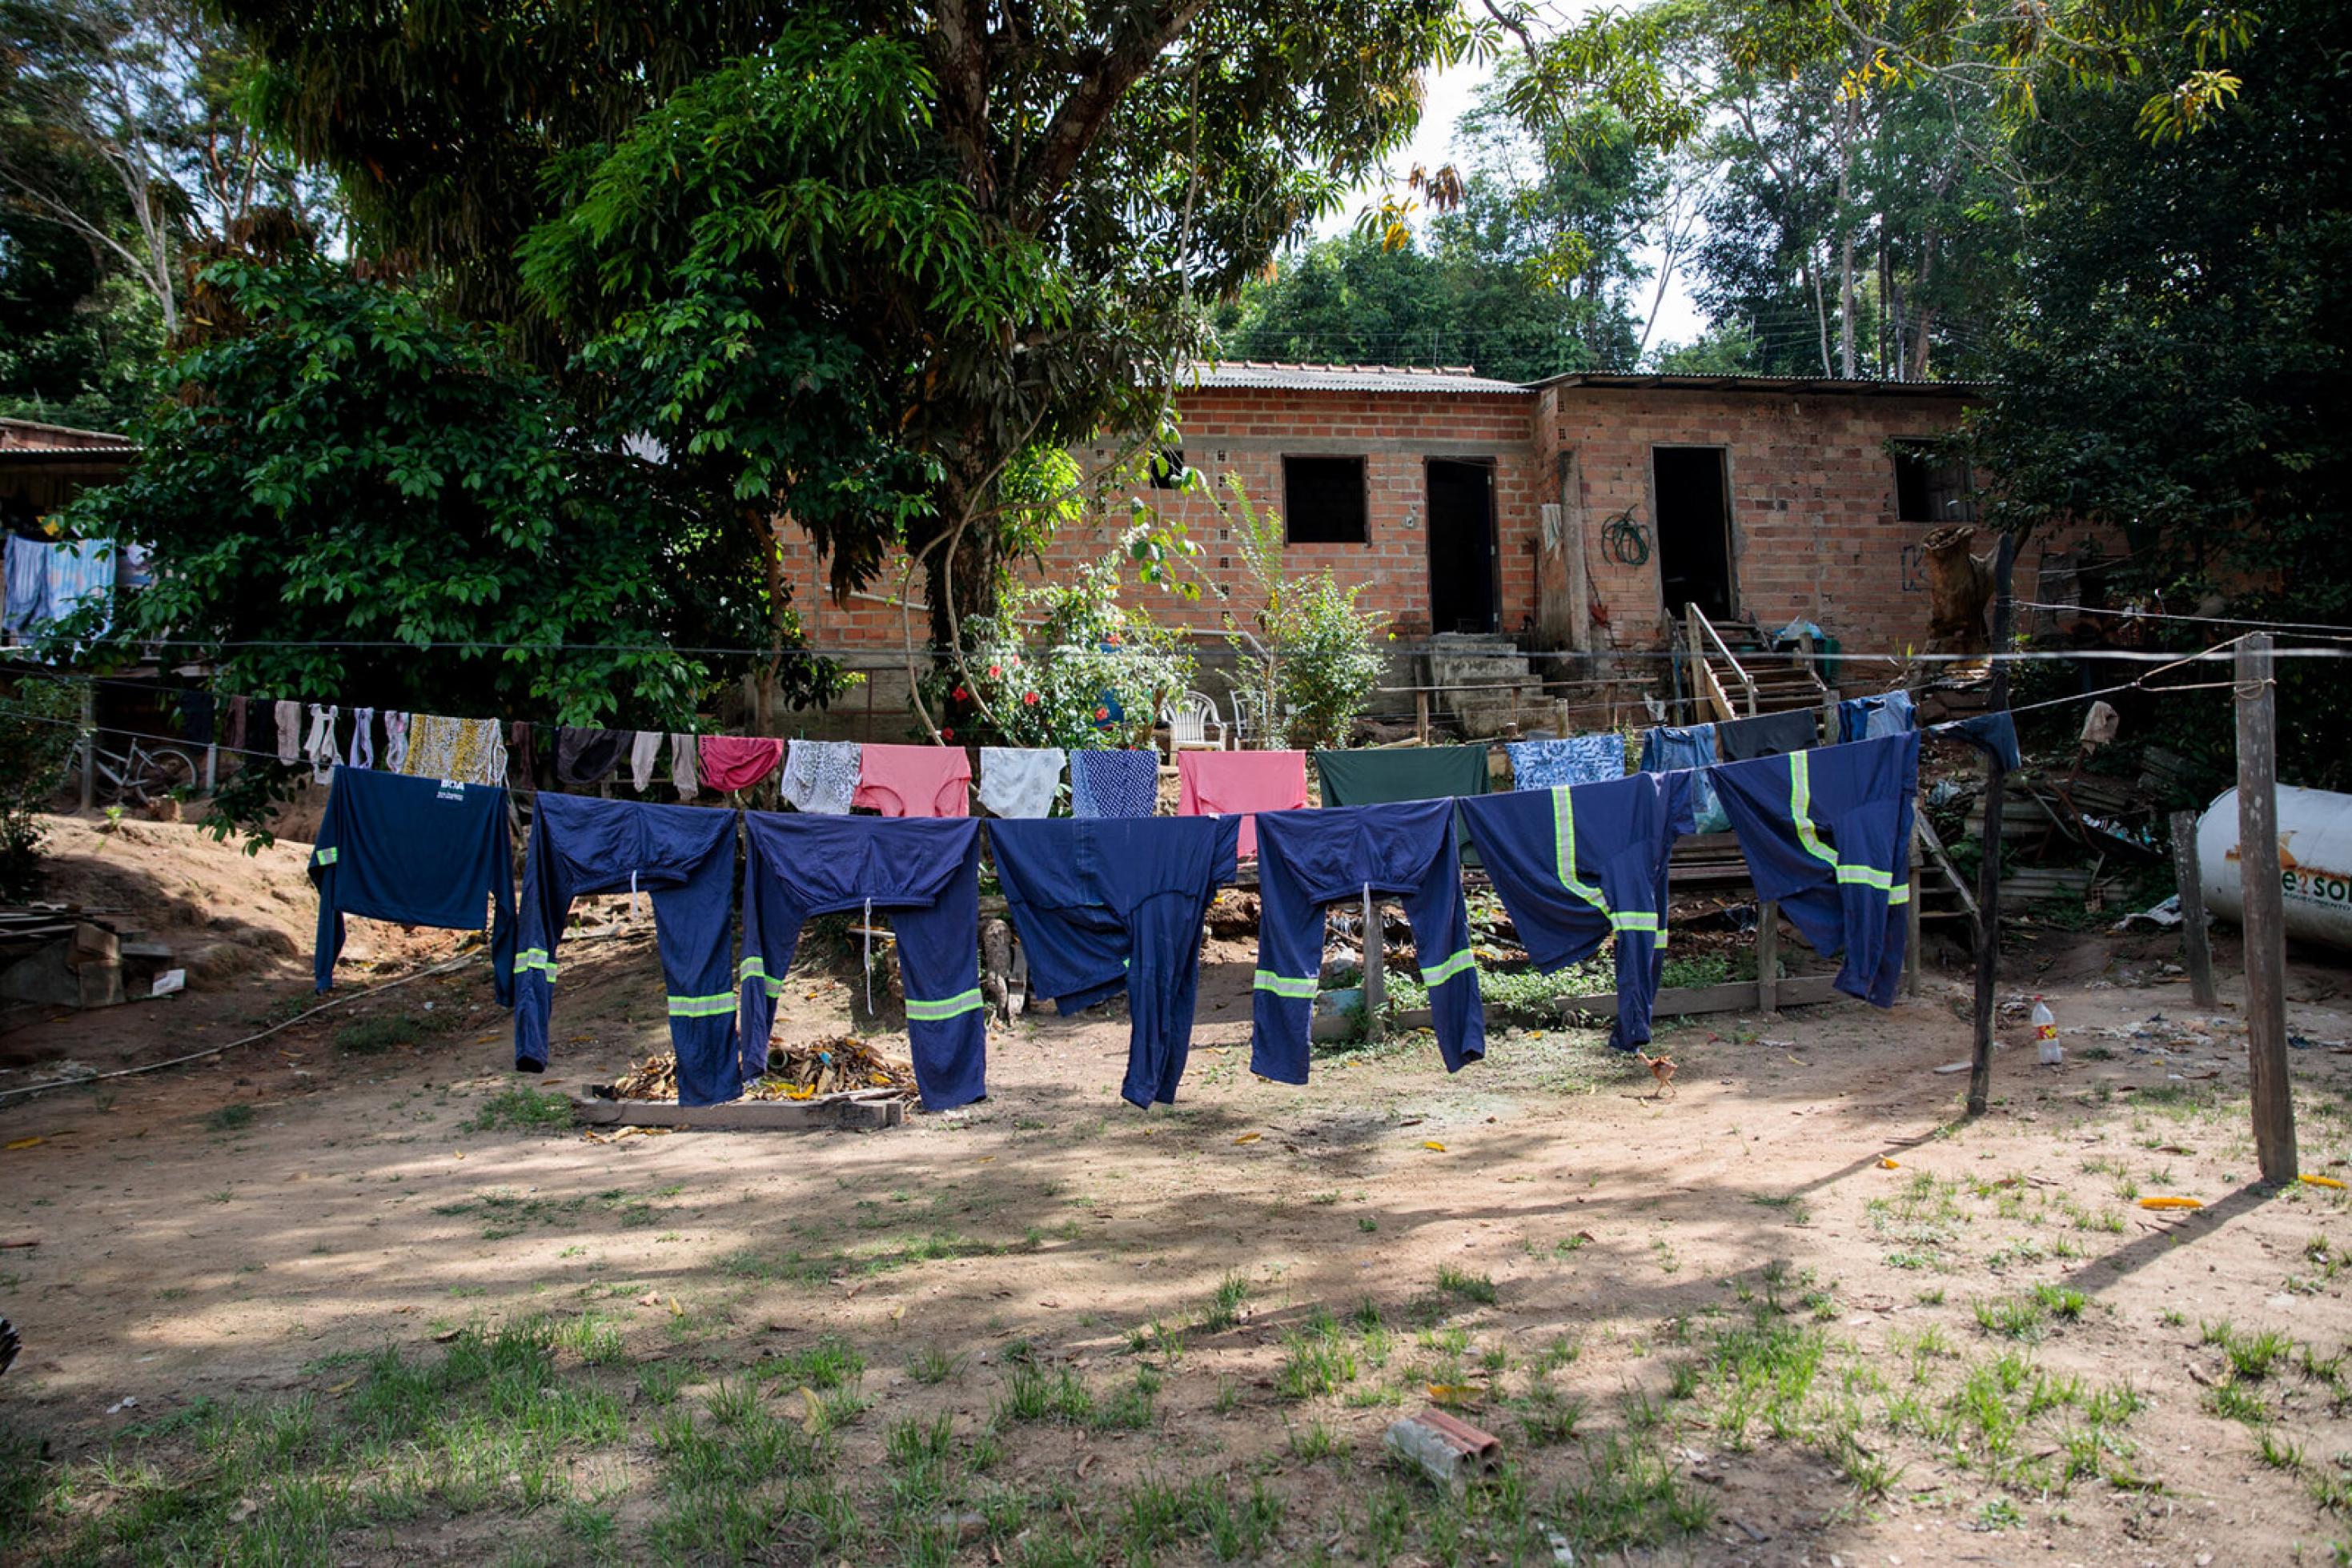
355, 1294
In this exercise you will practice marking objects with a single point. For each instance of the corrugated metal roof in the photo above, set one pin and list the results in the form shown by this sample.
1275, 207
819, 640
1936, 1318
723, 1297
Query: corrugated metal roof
1451, 380
30, 435
1824, 384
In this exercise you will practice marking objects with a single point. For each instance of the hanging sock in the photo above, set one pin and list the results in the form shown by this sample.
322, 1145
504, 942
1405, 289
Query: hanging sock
320, 747
684, 753
289, 733
645, 750
362, 753
396, 741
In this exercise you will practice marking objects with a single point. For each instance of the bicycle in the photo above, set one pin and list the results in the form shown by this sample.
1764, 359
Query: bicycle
143, 772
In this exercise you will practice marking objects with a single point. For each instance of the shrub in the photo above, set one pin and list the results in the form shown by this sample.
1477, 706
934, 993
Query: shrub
36, 735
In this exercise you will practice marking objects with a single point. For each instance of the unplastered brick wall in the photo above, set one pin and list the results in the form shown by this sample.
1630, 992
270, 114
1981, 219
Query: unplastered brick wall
1814, 527
1246, 434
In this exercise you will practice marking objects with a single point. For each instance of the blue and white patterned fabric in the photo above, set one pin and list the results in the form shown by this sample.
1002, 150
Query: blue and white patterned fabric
1577, 759
1114, 783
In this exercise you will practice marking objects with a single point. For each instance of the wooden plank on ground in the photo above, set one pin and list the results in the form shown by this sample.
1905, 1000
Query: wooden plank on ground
831, 1112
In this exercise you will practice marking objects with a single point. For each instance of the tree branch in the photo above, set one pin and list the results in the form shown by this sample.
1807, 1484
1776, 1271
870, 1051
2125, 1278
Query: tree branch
1079, 122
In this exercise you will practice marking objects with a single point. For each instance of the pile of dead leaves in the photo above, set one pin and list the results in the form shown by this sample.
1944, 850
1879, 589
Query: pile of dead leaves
842, 1065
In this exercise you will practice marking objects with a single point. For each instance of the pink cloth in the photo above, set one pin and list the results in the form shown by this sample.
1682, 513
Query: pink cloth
737, 761
915, 780
1219, 783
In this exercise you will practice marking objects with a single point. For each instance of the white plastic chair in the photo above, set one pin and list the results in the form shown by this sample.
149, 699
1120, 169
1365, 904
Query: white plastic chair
1191, 719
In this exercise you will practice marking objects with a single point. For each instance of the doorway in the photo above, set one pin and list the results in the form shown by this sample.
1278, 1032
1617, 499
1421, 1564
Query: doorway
1463, 596
1694, 522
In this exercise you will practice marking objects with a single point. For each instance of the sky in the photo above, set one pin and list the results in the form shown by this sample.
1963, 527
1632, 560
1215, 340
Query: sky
1450, 94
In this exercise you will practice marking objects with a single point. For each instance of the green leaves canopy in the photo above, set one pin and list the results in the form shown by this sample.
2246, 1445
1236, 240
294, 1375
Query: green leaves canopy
350, 500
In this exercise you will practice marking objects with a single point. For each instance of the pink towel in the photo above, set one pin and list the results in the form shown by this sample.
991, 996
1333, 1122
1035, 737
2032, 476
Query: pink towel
738, 761
915, 781
1219, 783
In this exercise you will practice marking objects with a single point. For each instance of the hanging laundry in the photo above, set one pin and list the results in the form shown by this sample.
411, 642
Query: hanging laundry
914, 780
320, 747
237, 710
1576, 865
925, 875
1827, 834
684, 750
1310, 859
1403, 773
821, 776
196, 716
1668, 747
522, 766
1767, 735
587, 757
367, 862
685, 859
1571, 759
81, 570
466, 750
27, 603
363, 752
645, 750
1867, 718
1021, 781
395, 742
290, 732
1994, 733
1106, 906
732, 762
1224, 783
1114, 783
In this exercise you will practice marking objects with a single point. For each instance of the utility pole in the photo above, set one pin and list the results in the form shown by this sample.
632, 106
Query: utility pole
2265, 932
1989, 873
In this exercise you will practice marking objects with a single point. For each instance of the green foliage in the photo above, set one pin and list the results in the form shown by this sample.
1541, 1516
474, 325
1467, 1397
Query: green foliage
846, 262
1309, 664
358, 498
1063, 665
36, 737
522, 1110
2185, 383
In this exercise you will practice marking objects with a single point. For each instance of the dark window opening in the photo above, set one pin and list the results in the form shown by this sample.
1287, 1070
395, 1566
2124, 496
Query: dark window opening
1168, 470
1461, 590
1323, 500
1932, 488
1693, 524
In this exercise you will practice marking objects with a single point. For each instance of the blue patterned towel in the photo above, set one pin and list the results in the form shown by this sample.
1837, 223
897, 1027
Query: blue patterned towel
1578, 759
1114, 783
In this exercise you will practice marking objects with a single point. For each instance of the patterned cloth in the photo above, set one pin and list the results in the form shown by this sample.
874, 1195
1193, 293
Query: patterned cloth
1114, 783
396, 741
464, 750
822, 775
362, 754
1021, 782
1578, 759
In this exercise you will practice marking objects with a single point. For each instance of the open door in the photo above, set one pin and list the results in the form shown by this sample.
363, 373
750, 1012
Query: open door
1693, 523
1461, 590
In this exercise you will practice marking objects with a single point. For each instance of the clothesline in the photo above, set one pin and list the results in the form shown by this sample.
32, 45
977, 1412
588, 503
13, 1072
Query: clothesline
2129, 614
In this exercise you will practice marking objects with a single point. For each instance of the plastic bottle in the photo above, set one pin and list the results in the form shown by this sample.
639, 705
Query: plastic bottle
2045, 1035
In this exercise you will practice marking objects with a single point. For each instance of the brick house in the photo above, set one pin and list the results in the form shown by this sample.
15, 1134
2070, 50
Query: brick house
1579, 513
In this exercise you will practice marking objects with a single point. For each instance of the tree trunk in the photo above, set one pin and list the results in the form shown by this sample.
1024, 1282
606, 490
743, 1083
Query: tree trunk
1959, 587
1845, 242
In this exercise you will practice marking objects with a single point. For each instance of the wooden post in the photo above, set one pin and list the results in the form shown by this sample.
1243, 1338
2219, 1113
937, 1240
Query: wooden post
1420, 713
1376, 971
2265, 934
2197, 947
1911, 925
1989, 874
89, 745
1768, 958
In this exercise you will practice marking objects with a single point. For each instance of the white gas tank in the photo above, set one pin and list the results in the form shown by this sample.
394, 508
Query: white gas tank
2313, 862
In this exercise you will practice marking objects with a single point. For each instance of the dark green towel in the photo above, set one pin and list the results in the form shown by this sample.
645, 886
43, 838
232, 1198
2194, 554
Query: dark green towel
1408, 773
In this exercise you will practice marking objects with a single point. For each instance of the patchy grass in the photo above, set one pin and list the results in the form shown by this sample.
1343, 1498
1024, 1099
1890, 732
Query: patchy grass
522, 1110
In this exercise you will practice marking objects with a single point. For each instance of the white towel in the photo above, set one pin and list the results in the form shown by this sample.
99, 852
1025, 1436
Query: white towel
1021, 782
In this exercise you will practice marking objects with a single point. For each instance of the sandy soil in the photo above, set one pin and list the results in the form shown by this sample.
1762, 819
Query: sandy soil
185, 1254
